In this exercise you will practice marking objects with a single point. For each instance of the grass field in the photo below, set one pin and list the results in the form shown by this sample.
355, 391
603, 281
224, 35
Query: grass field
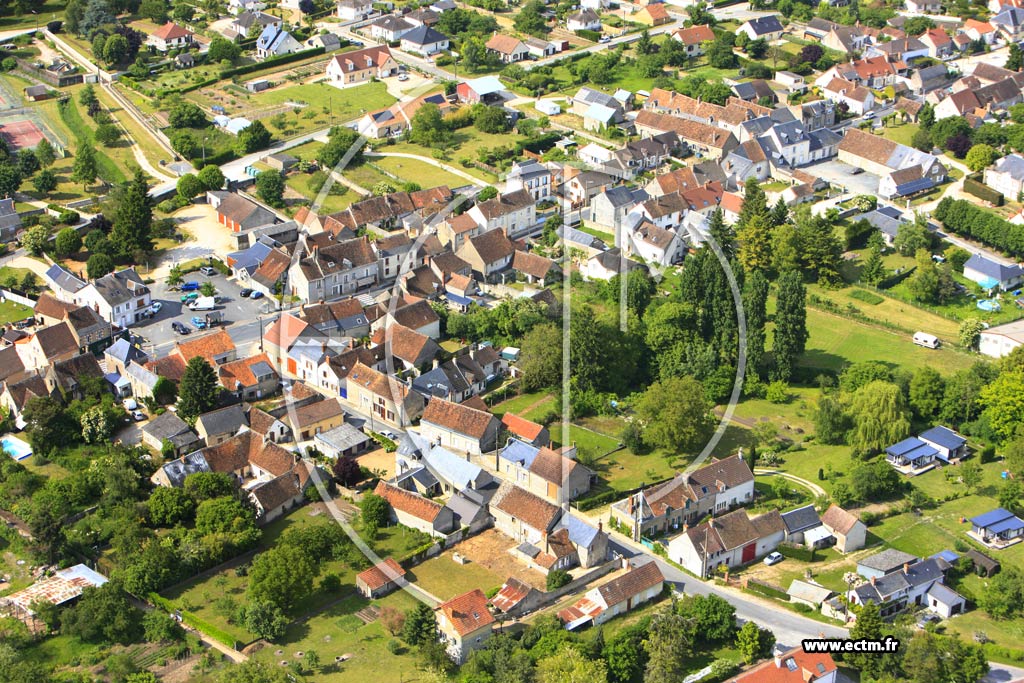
902, 133
338, 199
10, 312
835, 341
337, 631
423, 173
445, 578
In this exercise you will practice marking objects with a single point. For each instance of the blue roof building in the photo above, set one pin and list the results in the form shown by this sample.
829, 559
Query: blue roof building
997, 528
991, 274
912, 455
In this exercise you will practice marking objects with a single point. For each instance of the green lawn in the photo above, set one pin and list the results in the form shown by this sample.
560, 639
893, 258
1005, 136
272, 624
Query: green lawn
835, 341
337, 632
902, 133
893, 311
339, 105
339, 198
443, 577
423, 173
10, 312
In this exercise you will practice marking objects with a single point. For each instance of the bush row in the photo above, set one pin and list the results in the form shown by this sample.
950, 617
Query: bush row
981, 191
965, 219
798, 552
190, 619
591, 502
761, 588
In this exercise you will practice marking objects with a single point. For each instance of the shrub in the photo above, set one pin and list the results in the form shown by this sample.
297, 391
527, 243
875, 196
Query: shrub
983, 192
556, 579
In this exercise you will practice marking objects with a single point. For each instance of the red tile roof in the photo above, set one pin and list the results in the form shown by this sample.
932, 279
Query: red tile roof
521, 427
381, 574
467, 612
171, 31
806, 668
408, 502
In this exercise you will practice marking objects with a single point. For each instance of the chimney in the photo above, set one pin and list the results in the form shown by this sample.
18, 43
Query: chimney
437, 363
872, 581
906, 567
302, 309
778, 658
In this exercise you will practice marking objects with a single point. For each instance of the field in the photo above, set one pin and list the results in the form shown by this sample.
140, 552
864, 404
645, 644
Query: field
337, 632
423, 173
214, 598
902, 133
445, 578
295, 109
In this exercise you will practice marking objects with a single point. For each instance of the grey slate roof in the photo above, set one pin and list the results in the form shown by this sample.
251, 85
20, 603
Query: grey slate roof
64, 279
887, 560
177, 470
342, 437
166, 426
424, 35
993, 269
801, 519
223, 421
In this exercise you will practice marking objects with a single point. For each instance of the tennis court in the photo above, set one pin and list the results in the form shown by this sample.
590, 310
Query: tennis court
21, 134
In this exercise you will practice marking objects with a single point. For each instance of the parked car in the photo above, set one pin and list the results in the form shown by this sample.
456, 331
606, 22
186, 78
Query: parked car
403, 77
198, 322
245, 292
389, 435
605, 39
256, 295
130, 404
190, 297
180, 328
138, 415
156, 306
208, 271
928, 618
189, 286
22, 324
773, 558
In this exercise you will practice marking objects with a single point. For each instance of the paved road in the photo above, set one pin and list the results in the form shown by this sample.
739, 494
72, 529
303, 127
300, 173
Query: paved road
789, 628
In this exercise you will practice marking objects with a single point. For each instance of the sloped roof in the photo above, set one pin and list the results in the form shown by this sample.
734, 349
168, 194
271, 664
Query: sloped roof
532, 510
467, 612
408, 502
457, 418
637, 580
381, 574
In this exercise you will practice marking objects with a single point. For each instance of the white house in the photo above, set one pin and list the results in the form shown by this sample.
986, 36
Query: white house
353, 10
121, 298
620, 595
584, 20
424, 40
170, 36
1007, 176
732, 540
769, 28
1001, 340
274, 42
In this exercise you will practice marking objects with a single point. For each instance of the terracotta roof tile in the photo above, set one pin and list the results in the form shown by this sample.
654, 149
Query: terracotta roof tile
239, 373
521, 427
408, 502
467, 612
458, 418
838, 519
381, 574
209, 346
532, 510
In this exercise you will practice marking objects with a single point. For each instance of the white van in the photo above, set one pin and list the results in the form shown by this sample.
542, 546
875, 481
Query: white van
929, 341
203, 303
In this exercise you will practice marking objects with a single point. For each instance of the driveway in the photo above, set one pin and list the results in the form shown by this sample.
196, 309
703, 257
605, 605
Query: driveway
838, 174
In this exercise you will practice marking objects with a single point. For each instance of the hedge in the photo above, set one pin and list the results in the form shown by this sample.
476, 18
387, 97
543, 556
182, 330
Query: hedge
195, 622
755, 586
256, 66
797, 552
593, 36
540, 144
967, 220
982, 191
584, 504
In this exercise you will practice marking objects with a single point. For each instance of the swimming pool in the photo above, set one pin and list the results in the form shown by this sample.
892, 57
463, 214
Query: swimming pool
15, 447
988, 305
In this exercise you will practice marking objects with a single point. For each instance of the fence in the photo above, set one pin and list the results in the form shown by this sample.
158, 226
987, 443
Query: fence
55, 79
17, 296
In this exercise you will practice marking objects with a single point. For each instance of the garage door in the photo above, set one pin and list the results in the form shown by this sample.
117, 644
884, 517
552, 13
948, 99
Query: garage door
749, 553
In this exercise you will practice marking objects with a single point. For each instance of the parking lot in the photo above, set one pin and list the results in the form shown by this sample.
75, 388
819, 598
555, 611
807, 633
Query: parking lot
241, 316
837, 174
